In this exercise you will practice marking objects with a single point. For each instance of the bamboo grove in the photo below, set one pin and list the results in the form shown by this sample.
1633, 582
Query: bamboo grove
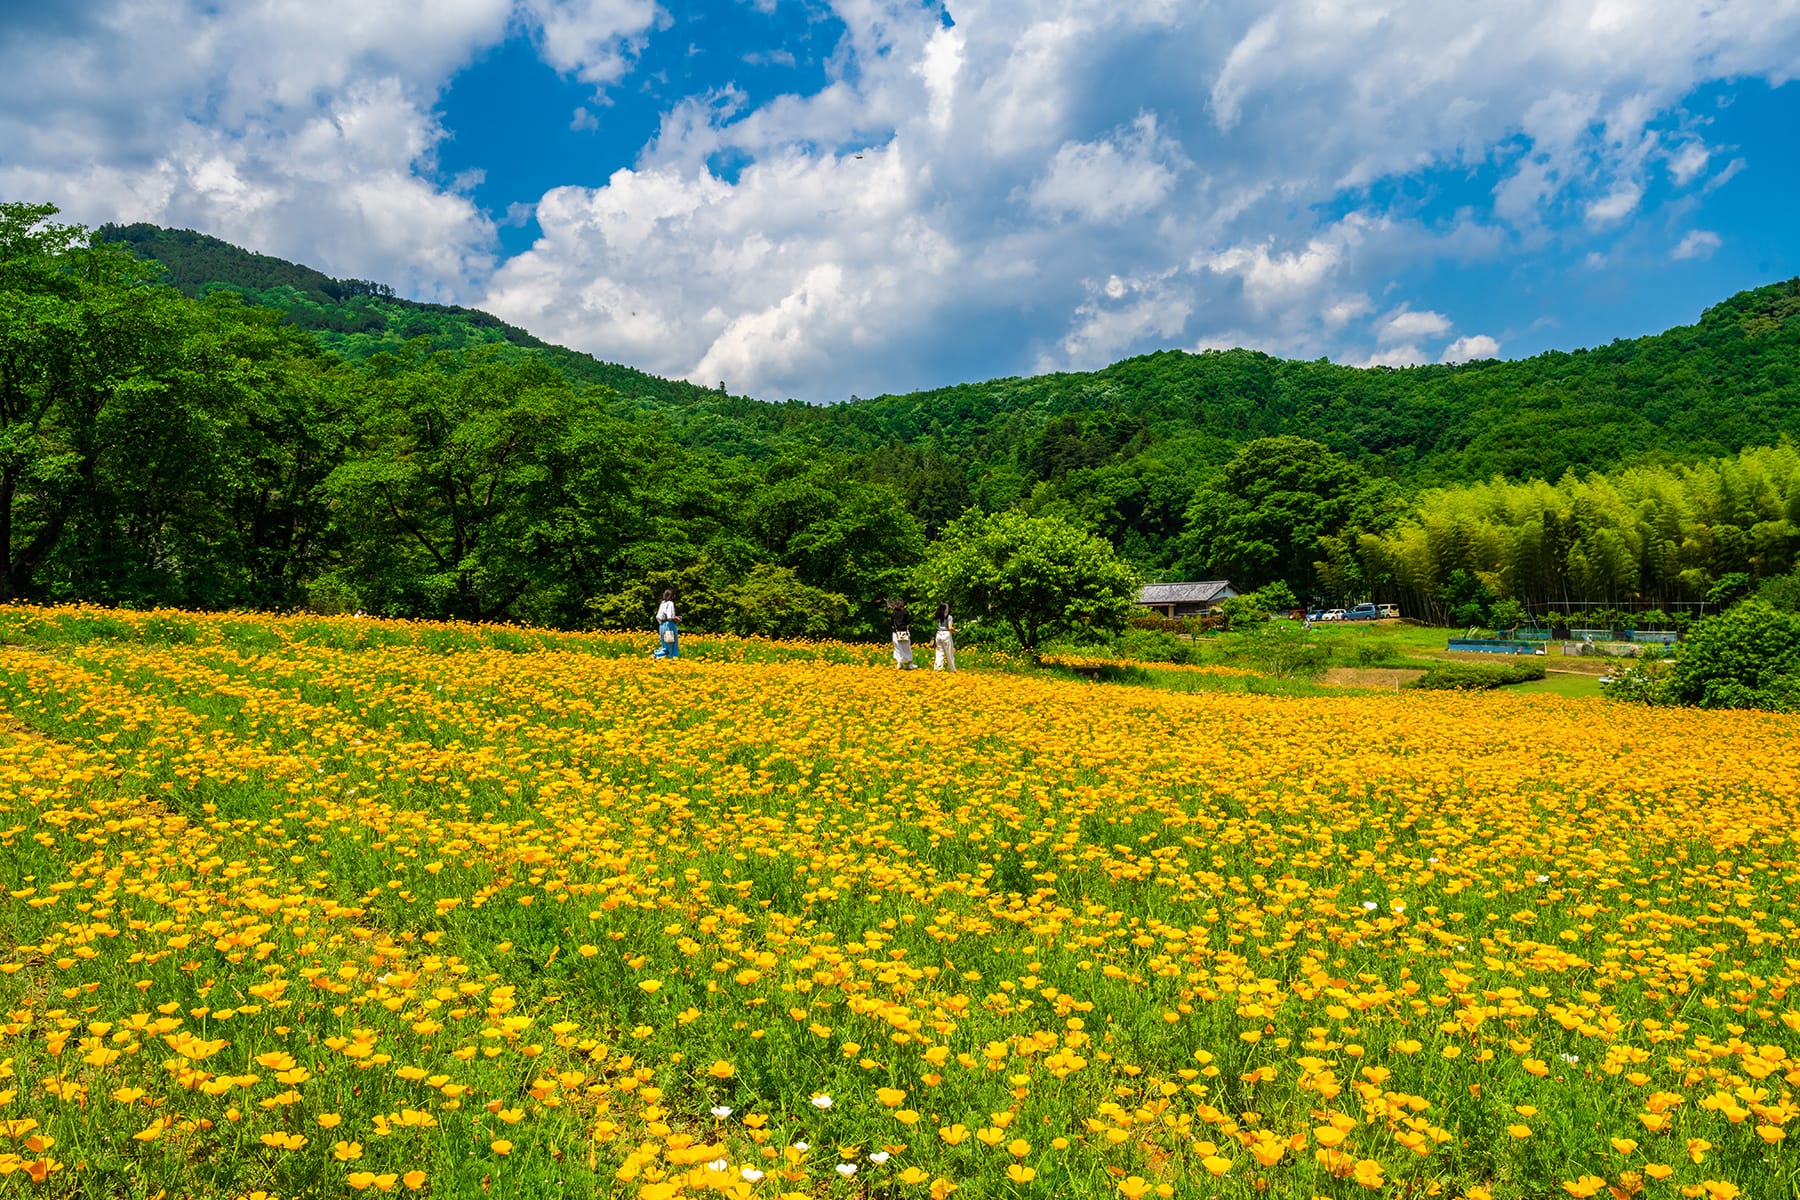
1649, 536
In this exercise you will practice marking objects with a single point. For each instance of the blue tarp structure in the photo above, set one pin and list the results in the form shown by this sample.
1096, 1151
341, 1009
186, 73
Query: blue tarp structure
1497, 645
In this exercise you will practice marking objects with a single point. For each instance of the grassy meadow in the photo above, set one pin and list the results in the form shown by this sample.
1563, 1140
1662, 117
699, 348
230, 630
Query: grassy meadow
326, 906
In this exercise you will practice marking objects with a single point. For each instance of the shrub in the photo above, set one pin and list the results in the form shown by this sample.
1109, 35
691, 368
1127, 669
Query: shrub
1473, 677
772, 602
1729, 589
1373, 652
333, 595
1638, 683
1746, 657
1507, 615
1146, 646
1280, 647
1781, 592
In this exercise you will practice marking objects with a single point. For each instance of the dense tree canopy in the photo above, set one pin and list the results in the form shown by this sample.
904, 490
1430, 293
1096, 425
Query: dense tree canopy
159, 448
1264, 516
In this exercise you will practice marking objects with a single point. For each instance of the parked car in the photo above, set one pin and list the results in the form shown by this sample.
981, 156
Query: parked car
1317, 614
1332, 614
1390, 611
1363, 612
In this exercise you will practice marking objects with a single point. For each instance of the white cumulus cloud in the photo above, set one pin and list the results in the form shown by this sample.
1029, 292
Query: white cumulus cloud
1699, 243
1467, 349
592, 40
1113, 178
1407, 325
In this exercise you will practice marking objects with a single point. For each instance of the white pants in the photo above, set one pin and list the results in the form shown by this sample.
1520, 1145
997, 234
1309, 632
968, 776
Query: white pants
946, 652
903, 650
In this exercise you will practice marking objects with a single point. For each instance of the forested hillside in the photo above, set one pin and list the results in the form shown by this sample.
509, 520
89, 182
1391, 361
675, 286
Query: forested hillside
1729, 381
356, 318
231, 429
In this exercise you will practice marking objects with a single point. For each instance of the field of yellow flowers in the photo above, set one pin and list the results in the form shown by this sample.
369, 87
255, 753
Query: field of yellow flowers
314, 907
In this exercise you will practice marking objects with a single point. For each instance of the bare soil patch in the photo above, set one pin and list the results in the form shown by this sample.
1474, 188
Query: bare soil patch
1370, 677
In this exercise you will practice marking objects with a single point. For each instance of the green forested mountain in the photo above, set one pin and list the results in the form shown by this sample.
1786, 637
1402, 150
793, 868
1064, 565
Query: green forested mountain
1730, 380
234, 429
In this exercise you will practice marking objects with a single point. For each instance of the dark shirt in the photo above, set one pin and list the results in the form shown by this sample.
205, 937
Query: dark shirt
902, 620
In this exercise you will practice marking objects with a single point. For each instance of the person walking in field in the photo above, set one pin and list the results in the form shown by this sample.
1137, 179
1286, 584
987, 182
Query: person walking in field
668, 628
946, 643
901, 621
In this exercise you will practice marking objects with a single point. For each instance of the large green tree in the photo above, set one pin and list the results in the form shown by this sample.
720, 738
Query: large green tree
1040, 575
456, 494
839, 534
1265, 514
152, 449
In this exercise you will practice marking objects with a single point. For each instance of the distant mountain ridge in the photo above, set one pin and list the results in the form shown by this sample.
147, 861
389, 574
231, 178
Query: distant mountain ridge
1728, 381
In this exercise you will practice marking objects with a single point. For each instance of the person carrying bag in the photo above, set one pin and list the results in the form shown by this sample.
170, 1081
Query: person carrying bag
668, 628
901, 621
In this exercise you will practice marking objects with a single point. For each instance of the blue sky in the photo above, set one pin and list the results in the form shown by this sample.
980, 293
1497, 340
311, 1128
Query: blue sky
820, 198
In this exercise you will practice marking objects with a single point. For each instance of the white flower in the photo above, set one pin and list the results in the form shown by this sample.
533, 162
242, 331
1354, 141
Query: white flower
846, 1169
802, 1147
1398, 906
1543, 879
717, 1164
1569, 1058
1432, 860
879, 1157
750, 1174
721, 1111
1370, 905
821, 1101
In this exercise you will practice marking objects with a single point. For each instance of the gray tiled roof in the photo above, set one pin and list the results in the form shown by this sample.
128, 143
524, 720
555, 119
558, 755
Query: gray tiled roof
1183, 593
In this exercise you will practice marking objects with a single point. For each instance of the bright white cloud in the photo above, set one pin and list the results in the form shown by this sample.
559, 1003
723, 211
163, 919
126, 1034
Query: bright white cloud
301, 130
1121, 176
1119, 315
1615, 206
1340, 313
1272, 280
592, 40
1687, 161
693, 276
1002, 148
1699, 243
1467, 349
1407, 325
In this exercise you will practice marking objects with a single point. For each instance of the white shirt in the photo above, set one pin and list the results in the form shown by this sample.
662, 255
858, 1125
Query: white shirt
665, 611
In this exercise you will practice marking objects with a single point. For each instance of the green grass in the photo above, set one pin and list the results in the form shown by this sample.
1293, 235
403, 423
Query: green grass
1562, 683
